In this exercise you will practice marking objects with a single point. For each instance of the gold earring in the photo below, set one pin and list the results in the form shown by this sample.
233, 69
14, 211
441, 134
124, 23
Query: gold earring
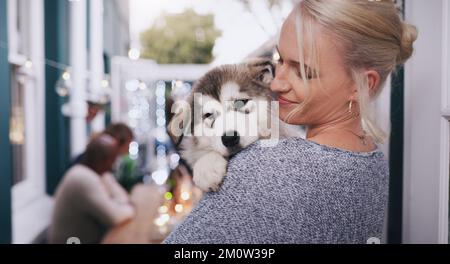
350, 106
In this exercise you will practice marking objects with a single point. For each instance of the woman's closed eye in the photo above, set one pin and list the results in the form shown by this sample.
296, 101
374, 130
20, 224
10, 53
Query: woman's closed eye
309, 74
295, 66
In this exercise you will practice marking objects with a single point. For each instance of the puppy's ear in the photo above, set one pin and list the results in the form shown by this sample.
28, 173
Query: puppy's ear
262, 70
181, 121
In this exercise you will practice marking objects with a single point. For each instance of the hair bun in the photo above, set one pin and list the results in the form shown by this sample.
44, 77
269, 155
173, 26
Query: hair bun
409, 35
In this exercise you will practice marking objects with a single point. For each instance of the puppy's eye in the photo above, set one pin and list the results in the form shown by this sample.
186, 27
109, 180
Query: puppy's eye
239, 104
209, 119
207, 115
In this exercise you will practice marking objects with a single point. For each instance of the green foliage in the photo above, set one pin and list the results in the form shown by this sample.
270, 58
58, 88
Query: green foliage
270, 3
182, 38
127, 174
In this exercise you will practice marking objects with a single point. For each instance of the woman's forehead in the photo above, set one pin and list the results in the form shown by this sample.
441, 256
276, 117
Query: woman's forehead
288, 42
325, 42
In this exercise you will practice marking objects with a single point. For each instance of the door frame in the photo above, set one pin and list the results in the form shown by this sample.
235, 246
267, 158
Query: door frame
427, 126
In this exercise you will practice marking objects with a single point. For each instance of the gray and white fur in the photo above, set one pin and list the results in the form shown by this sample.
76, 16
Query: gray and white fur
228, 110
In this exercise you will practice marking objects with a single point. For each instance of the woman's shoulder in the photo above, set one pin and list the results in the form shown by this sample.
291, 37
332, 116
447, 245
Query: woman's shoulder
81, 177
300, 148
297, 158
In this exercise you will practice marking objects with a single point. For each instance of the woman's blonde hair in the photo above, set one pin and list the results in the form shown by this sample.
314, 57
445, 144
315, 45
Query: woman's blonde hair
372, 36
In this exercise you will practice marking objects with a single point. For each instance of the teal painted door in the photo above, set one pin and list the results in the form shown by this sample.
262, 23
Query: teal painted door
57, 126
5, 147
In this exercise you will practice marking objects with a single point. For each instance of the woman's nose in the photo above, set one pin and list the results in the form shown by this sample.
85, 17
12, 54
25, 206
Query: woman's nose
279, 85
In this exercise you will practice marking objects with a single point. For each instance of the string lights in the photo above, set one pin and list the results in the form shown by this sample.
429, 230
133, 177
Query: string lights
161, 174
139, 95
63, 85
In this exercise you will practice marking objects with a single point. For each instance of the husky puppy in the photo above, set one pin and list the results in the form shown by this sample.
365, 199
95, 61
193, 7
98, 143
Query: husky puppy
228, 110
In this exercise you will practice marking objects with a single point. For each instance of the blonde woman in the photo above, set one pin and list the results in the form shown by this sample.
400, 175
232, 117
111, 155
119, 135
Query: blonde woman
332, 187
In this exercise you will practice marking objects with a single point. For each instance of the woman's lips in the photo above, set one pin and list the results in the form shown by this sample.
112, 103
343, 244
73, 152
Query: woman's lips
284, 102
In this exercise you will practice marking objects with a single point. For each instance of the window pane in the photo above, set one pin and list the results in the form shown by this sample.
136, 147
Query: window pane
17, 130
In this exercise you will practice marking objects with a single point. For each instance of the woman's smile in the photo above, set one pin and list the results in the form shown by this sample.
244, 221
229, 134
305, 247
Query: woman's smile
285, 102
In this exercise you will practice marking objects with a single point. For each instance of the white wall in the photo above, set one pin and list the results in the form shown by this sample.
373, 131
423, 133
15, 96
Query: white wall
425, 212
31, 206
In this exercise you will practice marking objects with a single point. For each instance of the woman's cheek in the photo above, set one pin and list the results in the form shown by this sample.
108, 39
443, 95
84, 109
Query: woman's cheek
301, 91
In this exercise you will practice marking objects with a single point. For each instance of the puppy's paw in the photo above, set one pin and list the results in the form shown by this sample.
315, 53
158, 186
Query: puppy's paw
209, 172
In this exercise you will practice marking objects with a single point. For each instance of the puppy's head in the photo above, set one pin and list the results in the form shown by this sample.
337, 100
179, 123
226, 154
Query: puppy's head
227, 110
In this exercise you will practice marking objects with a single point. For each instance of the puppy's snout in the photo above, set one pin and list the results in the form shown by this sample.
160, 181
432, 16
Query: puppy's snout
231, 139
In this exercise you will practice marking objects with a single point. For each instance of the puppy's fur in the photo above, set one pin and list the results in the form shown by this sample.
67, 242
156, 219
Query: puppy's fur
228, 110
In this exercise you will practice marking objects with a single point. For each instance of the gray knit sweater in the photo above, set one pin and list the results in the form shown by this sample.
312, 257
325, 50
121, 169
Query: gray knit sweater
296, 192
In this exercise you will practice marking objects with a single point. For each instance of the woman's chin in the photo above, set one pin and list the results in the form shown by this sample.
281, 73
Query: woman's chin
285, 113
294, 118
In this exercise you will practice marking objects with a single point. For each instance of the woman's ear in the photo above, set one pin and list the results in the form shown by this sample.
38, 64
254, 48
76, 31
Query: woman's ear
354, 96
373, 81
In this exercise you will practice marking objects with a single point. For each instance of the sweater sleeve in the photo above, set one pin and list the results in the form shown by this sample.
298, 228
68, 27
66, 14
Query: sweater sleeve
114, 189
96, 201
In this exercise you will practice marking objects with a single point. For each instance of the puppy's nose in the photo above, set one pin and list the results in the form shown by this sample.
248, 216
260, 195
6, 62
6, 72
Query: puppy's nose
231, 139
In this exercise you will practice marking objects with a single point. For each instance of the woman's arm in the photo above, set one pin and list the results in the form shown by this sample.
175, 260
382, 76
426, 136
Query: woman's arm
114, 189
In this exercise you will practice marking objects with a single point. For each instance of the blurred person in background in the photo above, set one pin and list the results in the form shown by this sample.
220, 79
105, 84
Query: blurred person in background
121, 133
93, 109
89, 201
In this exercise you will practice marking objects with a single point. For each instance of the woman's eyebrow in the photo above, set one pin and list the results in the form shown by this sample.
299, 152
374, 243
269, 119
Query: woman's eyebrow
292, 62
296, 64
